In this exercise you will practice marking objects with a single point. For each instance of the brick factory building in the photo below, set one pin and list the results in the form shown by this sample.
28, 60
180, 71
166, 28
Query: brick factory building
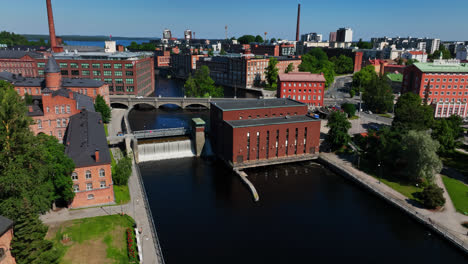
304, 87
86, 145
243, 71
162, 59
264, 131
55, 99
184, 64
19, 62
273, 49
6, 235
125, 72
448, 85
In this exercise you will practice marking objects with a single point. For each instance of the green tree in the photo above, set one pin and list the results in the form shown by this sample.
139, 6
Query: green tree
272, 40
442, 50
338, 125
363, 77
201, 84
246, 39
410, 114
101, 106
349, 109
290, 68
28, 244
122, 171
271, 73
222, 52
364, 45
28, 99
447, 131
419, 151
432, 196
210, 53
378, 95
58, 166
343, 64
259, 39
410, 62
316, 61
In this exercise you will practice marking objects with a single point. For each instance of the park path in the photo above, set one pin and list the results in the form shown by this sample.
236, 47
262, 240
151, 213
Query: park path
136, 208
448, 217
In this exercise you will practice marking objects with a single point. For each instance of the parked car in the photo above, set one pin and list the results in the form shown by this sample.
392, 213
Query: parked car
139, 97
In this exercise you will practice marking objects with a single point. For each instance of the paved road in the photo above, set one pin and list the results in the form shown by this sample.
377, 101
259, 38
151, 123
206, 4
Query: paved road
116, 121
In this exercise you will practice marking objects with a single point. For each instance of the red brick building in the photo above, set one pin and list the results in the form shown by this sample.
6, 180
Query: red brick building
86, 145
124, 72
250, 132
162, 58
19, 62
447, 84
56, 99
302, 86
6, 235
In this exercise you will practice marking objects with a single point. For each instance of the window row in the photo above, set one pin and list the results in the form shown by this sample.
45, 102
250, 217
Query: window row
301, 84
86, 65
448, 93
448, 86
445, 80
88, 175
300, 90
89, 186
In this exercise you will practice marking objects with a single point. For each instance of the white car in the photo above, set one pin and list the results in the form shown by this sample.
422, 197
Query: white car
139, 97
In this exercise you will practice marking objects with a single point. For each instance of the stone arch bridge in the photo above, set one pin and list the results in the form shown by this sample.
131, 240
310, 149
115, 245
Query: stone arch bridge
130, 101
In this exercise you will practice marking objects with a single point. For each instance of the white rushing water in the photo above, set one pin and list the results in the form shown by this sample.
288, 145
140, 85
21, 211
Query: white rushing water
165, 150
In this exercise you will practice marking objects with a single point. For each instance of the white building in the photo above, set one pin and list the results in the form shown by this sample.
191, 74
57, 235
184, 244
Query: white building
418, 55
462, 52
344, 35
312, 37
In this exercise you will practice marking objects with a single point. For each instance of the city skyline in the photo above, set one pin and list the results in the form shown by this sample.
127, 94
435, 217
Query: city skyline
145, 18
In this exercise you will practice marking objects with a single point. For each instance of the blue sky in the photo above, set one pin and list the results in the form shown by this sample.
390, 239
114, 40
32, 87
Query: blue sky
148, 18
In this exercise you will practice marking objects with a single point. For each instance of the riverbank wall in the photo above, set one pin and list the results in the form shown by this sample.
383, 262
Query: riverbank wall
346, 172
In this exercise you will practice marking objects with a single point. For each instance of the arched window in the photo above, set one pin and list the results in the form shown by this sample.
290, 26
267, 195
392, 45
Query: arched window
74, 176
102, 173
88, 174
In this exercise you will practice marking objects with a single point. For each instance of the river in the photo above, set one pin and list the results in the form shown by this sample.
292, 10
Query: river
306, 214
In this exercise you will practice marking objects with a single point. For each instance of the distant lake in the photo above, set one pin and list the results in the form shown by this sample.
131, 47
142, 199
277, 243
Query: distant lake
124, 42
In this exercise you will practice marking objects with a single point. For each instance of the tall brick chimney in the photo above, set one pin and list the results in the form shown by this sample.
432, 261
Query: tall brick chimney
50, 15
53, 38
96, 155
298, 21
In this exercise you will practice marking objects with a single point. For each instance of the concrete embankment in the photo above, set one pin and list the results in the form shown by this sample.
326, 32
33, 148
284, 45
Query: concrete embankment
337, 166
243, 177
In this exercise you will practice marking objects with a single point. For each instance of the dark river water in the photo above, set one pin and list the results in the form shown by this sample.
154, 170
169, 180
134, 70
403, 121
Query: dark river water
306, 214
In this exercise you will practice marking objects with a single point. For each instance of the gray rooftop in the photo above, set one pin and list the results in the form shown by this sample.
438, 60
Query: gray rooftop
247, 104
18, 54
18, 80
5, 225
271, 121
85, 134
51, 66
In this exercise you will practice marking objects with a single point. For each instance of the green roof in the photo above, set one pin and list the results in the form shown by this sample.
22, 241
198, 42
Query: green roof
198, 121
395, 77
449, 67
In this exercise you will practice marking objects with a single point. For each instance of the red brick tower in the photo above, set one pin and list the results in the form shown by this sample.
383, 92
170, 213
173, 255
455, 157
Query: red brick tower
53, 77
53, 38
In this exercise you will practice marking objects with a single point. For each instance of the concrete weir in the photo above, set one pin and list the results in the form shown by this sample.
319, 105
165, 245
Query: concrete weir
243, 177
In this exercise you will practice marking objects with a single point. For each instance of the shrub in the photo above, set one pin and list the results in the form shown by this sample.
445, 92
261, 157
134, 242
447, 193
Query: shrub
349, 109
132, 246
122, 171
432, 196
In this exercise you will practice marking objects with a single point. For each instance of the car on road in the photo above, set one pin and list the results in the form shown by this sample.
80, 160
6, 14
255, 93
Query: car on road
139, 97
368, 112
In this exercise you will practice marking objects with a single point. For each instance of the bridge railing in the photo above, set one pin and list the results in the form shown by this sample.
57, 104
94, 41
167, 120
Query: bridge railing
166, 132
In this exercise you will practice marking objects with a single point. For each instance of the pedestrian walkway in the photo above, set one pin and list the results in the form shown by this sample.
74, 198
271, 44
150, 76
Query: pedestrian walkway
448, 220
136, 208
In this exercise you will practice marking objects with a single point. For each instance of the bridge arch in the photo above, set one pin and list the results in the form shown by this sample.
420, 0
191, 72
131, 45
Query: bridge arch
143, 105
119, 105
162, 105
198, 105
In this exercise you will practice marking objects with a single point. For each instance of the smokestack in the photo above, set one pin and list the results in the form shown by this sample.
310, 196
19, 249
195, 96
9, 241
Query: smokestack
53, 39
96, 155
298, 21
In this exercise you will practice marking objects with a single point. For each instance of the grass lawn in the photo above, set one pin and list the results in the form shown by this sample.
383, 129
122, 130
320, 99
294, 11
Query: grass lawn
113, 163
105, 129
353, 117
456, 160
386, 115
99, 239
122, 195
458, 193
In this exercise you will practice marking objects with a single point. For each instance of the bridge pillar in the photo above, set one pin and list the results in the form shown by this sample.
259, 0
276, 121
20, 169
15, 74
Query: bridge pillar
198, 135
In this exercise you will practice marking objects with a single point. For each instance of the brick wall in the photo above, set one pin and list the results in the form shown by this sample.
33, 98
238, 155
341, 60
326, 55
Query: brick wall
100, 195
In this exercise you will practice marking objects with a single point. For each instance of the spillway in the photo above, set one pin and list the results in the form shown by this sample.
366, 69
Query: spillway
165, 150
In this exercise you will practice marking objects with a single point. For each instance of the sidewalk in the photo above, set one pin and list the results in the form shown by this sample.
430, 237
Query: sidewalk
447, 221
135, 208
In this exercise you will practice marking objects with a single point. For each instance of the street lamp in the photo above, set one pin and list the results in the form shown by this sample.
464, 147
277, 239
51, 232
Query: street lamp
380, 172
